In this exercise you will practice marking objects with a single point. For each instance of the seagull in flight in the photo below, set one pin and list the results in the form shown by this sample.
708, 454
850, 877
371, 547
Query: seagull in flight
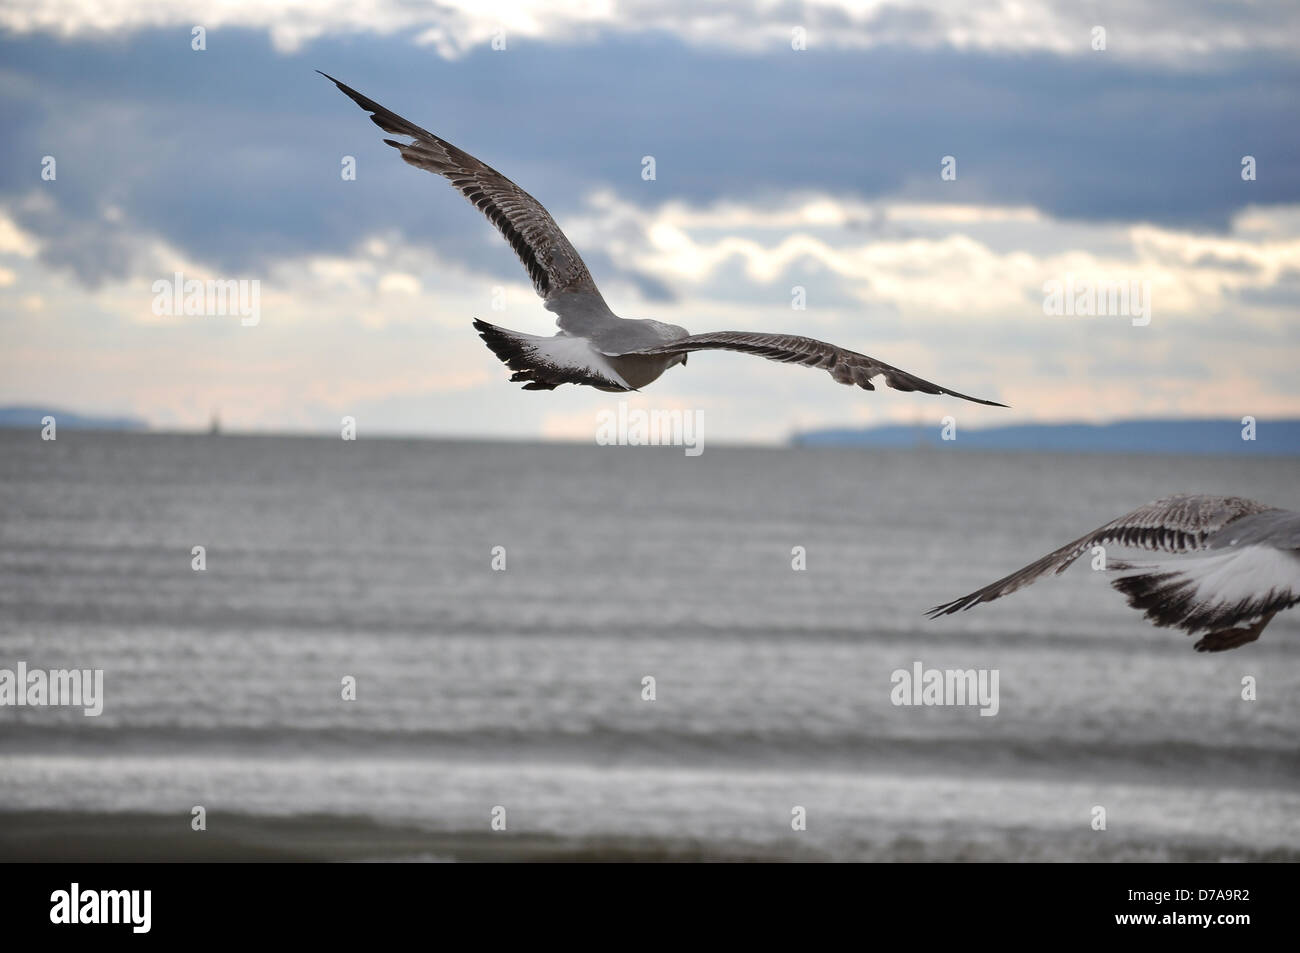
594, 346
1247, 569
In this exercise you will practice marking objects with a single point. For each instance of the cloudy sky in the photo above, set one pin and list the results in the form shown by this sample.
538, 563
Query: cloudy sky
775, 168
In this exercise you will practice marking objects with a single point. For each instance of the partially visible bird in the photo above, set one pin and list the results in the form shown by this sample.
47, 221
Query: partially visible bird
594, 346
1247, 570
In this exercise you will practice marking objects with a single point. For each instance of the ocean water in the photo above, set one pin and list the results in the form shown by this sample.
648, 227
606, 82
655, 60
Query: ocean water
522, 689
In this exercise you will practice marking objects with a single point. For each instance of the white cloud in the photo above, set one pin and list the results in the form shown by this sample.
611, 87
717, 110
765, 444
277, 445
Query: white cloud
15, 241
971, 262
952, 293
397, 282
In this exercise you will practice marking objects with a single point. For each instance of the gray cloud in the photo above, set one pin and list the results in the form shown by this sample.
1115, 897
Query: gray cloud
232, 155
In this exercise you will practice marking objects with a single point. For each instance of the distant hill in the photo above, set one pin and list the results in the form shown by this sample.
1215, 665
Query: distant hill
30, 418
1272, 437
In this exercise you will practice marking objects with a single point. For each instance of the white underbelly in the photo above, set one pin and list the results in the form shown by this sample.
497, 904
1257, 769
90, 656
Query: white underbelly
641, 369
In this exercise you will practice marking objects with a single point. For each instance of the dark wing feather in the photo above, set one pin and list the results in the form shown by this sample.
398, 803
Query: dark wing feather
847, 367
1176, 524
550, 260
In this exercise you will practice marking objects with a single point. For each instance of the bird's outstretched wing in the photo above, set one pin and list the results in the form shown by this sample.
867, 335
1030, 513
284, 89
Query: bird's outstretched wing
1176, 524
847, 367
550, 259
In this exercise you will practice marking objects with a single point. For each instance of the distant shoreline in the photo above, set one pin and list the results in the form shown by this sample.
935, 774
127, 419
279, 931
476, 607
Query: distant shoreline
32, 416
1270, 438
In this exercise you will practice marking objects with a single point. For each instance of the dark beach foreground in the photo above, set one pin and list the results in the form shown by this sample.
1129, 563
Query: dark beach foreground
67, 837
72, 837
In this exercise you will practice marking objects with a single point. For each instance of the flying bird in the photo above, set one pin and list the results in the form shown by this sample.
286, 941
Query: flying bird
594, 346
1248, 569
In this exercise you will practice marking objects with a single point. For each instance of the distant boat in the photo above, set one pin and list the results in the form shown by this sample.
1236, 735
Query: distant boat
214, 428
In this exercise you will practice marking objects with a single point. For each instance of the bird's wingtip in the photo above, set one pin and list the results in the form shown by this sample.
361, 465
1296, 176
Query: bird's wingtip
948, 608
973, 400
363, 101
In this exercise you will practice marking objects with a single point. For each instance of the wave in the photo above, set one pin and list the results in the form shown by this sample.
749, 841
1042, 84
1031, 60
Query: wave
1166, 761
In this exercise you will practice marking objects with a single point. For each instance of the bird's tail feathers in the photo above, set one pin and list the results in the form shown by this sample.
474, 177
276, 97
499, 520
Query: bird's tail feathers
1209, 592
544, 363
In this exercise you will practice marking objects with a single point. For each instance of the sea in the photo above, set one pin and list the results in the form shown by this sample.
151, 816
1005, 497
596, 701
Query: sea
422, 650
